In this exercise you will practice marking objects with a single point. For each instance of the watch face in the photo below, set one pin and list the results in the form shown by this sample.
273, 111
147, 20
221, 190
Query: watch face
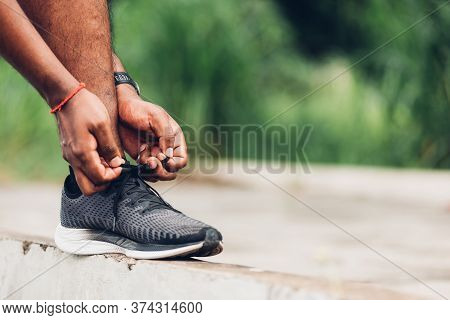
123, 77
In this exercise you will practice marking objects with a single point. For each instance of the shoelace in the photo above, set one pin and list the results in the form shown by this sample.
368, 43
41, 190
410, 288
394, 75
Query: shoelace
133, 172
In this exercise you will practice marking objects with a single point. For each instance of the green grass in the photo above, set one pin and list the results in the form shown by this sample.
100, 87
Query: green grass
233, 62
28, 137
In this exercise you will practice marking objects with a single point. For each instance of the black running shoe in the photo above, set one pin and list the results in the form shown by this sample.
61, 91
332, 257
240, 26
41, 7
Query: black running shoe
131, 218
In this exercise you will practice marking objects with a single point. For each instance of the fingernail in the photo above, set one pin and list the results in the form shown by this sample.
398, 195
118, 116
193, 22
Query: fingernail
152, 164
169, 152
116, 162
161, 156
117, 170
142, 148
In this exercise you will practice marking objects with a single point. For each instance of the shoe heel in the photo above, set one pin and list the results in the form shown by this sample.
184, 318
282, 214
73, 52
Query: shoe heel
82, 242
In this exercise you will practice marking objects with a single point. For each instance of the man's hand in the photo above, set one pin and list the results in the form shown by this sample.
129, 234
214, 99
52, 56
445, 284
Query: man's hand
83, 122
87, 142
149, 133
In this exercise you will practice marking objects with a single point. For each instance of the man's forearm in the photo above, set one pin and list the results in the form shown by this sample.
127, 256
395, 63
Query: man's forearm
117, 64
23, 47
123, 89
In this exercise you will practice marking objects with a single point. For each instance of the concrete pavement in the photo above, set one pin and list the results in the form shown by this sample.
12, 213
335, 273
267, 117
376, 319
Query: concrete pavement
400, 220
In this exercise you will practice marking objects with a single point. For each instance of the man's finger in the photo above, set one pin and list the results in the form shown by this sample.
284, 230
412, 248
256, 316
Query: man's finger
107, 147
145, 156
180, 153
86, 186
166, 137
170, 165
159, 173
179, 160
162, 173
97, 172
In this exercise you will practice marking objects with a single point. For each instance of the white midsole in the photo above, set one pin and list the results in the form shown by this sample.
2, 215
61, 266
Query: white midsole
81, 242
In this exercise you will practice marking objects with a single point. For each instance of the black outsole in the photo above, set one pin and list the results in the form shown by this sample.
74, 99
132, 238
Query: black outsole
212, 245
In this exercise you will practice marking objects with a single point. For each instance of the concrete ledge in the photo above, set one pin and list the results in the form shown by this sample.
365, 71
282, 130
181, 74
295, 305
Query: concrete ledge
37, 270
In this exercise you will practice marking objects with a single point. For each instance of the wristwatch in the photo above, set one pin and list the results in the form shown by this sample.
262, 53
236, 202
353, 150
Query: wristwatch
123, 77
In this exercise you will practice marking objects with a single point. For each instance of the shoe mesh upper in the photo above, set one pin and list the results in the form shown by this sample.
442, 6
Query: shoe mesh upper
146, 220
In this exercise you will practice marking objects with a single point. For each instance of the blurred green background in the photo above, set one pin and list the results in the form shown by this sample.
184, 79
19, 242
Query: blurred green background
239, 62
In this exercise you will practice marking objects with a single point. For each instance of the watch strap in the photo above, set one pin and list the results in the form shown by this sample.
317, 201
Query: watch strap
124, 77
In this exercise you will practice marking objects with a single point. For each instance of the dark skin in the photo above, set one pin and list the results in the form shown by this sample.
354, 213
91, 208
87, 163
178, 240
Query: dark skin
84, 139
54, 59
156, 126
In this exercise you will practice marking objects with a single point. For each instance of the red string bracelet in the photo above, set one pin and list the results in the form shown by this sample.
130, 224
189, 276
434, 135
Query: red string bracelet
66, 99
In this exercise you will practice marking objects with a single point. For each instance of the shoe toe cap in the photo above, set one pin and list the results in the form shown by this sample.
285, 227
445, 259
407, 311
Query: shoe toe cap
211, 234
208, 234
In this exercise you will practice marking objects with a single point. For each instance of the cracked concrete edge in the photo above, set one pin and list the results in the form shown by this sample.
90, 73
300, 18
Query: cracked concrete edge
114, 276
6, 234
